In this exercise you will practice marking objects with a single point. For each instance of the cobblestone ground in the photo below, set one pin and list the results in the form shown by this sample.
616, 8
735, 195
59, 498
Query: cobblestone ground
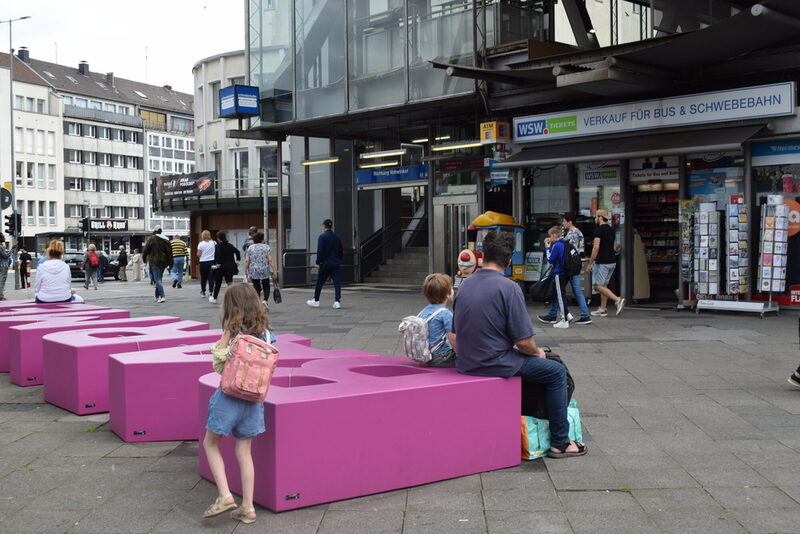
690, 423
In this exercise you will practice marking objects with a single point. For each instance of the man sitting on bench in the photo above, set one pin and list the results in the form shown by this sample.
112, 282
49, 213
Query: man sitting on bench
493, 336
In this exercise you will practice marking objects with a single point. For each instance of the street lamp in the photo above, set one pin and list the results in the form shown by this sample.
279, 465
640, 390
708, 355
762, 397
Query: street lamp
14, 240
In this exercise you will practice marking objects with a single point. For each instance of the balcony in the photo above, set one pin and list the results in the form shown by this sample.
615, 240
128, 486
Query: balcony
100, 115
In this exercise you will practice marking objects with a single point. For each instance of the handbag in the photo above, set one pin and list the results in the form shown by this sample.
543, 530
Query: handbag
536, 432
249, 369
276, 294
544, 288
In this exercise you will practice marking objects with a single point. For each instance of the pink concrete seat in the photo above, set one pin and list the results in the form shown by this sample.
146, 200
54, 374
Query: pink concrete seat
26, 347
32, 314
12, 306
169, 376
80, 359
339, 428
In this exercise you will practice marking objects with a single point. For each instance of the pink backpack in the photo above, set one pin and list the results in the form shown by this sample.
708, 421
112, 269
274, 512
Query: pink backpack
249, 370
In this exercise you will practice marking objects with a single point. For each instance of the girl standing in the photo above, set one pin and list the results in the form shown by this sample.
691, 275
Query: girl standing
205, 256
241, 313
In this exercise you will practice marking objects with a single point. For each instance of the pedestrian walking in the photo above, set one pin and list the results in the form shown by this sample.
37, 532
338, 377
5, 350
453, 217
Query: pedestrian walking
575, 238
24, 263
101, 269
241, 314
157, 253
5, 256
226, 264
259, 267
329, 261
602, 264
136, 262
205, 257
91, 266
249, 241
122, 263
179, 256
556, 256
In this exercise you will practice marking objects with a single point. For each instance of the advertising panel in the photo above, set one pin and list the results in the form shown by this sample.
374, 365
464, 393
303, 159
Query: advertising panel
184, 185
391, 174
238, 101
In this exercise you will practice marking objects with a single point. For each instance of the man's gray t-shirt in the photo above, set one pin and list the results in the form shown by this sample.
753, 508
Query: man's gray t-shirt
489, 317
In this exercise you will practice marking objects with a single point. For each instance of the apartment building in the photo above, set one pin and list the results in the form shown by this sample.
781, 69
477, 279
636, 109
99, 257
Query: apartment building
38, 160
106, 122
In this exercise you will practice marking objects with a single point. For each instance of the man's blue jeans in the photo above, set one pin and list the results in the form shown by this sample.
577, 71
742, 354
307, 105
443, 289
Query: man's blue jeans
335, 274
575, 282
178, 266
156, 273
553, 376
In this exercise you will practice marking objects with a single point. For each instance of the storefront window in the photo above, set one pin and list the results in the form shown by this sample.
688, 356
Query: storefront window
550, 190
598, 188
715, 177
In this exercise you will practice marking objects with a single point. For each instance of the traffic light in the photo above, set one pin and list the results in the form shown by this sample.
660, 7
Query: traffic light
11, 225
85, 224
18, 223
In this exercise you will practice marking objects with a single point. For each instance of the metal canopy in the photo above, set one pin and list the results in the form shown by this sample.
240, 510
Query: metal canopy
662, 144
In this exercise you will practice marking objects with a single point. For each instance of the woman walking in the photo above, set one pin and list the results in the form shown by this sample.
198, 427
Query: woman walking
136, 261
258, 266
205, 256
226, 264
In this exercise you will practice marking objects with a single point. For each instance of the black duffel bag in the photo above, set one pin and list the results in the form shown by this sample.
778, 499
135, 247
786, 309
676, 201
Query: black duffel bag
534, 403
543, 289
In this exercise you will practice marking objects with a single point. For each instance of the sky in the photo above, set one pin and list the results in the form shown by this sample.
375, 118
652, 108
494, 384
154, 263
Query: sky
115, 36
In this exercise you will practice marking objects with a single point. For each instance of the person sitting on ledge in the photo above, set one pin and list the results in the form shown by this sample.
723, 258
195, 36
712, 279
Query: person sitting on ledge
53, 277
493, 336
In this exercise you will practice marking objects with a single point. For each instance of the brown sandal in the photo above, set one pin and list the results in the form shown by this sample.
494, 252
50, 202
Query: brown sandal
219, 506
243, 515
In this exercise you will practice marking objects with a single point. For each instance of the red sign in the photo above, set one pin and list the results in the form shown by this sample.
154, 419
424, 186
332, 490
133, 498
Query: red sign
794, 216
615, 198
792, 299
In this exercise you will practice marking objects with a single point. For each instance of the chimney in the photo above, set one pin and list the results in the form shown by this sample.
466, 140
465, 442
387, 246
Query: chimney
168, 88
23, 54
83, 68
110, 79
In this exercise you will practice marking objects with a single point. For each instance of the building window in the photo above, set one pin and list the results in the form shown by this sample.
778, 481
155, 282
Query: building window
19, 171
239, 80
179, 167
215, 100
152, 140
39, 105
102, 132
168, 166
110, 108
31, 211
51, 143
81, 102
29, 176
90, 158
180, 144
155, 165
51, 176
180, 124
75, 184
68, 100
241, 168
104, 160
189, 168
167, 142
74, 210
89, 130
133, 188
73, 128
119, 213
105, 186
42, 211
73, 156
119, 187
18, 139
153, 120
117, 135
118, 160
52, 213
41, 176
130, 162
125, 110
19, 102
133, 213
190, 145
29, 103
90, 184
94, 104
40, 142
29, 141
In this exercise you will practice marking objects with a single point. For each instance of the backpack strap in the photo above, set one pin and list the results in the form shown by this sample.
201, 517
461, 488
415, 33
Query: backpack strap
434, 314
444, 337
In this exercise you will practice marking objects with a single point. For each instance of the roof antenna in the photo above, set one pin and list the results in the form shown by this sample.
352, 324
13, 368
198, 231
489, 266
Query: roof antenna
145, 64
56, 47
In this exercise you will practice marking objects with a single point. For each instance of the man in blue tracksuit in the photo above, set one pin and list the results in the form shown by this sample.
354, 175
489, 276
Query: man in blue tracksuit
329, 261
557, 258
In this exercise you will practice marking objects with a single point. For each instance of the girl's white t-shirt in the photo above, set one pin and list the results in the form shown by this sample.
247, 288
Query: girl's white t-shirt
207, 249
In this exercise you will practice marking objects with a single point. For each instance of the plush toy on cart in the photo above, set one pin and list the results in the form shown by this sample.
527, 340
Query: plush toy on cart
471, 258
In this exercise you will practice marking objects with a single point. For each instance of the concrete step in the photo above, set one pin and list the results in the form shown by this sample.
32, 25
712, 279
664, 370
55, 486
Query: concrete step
393, 280
414, 273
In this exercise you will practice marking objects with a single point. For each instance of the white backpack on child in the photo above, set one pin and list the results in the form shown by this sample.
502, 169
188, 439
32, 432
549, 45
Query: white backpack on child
415, 337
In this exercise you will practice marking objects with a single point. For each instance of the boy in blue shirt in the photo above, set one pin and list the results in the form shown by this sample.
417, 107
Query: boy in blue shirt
438, 289
556, 255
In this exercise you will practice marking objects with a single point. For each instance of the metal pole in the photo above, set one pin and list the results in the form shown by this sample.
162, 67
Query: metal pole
14, 240
265, 195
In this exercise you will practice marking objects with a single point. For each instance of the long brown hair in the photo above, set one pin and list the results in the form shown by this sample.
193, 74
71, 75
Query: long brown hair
242, 311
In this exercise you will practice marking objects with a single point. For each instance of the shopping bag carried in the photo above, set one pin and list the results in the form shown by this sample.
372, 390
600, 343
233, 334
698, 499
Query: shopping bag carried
543, 289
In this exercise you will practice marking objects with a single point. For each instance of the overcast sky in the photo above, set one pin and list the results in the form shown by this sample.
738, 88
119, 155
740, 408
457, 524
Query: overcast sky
112, 35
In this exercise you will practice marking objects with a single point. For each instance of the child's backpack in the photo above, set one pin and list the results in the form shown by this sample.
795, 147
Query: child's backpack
249, 370
94, 261
415, 337
572, 259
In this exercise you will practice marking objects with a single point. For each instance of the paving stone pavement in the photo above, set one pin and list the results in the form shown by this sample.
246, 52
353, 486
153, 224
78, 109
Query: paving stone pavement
691, 427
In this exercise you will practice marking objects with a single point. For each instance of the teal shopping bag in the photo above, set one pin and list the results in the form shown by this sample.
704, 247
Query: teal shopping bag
536, 432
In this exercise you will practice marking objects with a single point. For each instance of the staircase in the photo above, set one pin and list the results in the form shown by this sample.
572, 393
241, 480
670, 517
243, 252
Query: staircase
408, 268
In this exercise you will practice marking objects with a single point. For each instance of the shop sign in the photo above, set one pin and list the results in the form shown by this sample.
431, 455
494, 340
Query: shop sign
498, 177
463, 164
643, 175
600, 177
784, 153
186, 185
238, 101
720, 106
108, 225
391, 174
495, 131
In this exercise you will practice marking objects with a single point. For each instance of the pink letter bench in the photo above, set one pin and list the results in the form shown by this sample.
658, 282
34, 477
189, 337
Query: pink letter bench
169, 410
339, 428
33, 314
26, 345
80, 359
